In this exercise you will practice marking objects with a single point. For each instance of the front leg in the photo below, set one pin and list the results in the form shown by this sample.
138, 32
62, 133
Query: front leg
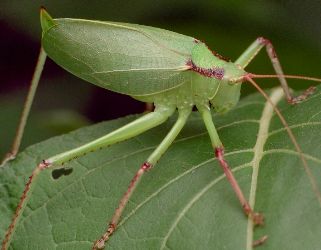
249, 54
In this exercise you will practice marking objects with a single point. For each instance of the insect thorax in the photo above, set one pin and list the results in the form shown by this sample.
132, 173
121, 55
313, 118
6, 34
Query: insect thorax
205, 84
198, 91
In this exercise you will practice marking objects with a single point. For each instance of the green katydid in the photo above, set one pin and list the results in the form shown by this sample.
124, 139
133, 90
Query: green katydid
173, 71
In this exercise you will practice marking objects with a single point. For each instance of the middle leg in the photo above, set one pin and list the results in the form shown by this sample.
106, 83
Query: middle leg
219, 153
148, 164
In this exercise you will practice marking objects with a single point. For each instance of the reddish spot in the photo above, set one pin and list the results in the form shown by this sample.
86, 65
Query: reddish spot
43, 165
216, 72
263, 40
146, 166
247, 210
269, 46
111, 227
219, 152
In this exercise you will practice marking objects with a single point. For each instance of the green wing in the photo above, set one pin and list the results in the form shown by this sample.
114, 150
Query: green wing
126, 58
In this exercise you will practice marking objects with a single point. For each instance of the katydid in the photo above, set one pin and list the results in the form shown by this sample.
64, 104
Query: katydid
173, 71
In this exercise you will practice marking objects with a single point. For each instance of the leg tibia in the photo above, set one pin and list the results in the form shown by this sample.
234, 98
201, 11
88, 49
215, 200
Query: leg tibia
249, 54
219, 153
27, 106
151, 161
276, 65
22, 203
100, 244
257, 218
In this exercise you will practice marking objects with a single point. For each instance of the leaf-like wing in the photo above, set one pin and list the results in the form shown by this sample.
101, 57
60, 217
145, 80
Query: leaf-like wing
125, 58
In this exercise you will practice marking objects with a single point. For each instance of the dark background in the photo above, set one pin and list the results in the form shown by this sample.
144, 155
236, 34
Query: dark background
64, 102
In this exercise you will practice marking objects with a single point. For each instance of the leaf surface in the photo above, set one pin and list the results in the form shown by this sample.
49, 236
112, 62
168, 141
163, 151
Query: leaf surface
185, 202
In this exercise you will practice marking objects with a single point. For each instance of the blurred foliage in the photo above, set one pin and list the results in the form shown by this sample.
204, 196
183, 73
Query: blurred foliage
41, 125
226, 26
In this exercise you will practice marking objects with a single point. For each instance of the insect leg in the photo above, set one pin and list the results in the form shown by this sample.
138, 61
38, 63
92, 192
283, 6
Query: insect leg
130, 130
219, 153
249, 54
150, 162
27, 105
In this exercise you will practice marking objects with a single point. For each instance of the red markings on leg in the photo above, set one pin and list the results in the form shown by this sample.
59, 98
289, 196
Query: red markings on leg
257, 218
100, 244
112, 227
43, 165
260, 241
146, 166
219, 152
262, 40
303, 96
269, 47
278, 69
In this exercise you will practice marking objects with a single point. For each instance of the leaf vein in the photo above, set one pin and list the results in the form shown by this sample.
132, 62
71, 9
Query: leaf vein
262, 137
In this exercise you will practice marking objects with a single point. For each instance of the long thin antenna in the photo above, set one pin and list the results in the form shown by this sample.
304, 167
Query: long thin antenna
285, 76
292, 137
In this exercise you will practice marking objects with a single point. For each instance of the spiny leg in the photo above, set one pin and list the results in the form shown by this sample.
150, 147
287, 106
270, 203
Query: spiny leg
26, 108
249, 54
130, 130
150, 162
219, 153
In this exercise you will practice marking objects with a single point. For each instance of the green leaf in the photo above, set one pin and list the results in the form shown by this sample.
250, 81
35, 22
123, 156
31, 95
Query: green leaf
185, 202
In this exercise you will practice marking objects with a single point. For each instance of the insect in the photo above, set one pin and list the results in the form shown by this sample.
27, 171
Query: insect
173, 71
